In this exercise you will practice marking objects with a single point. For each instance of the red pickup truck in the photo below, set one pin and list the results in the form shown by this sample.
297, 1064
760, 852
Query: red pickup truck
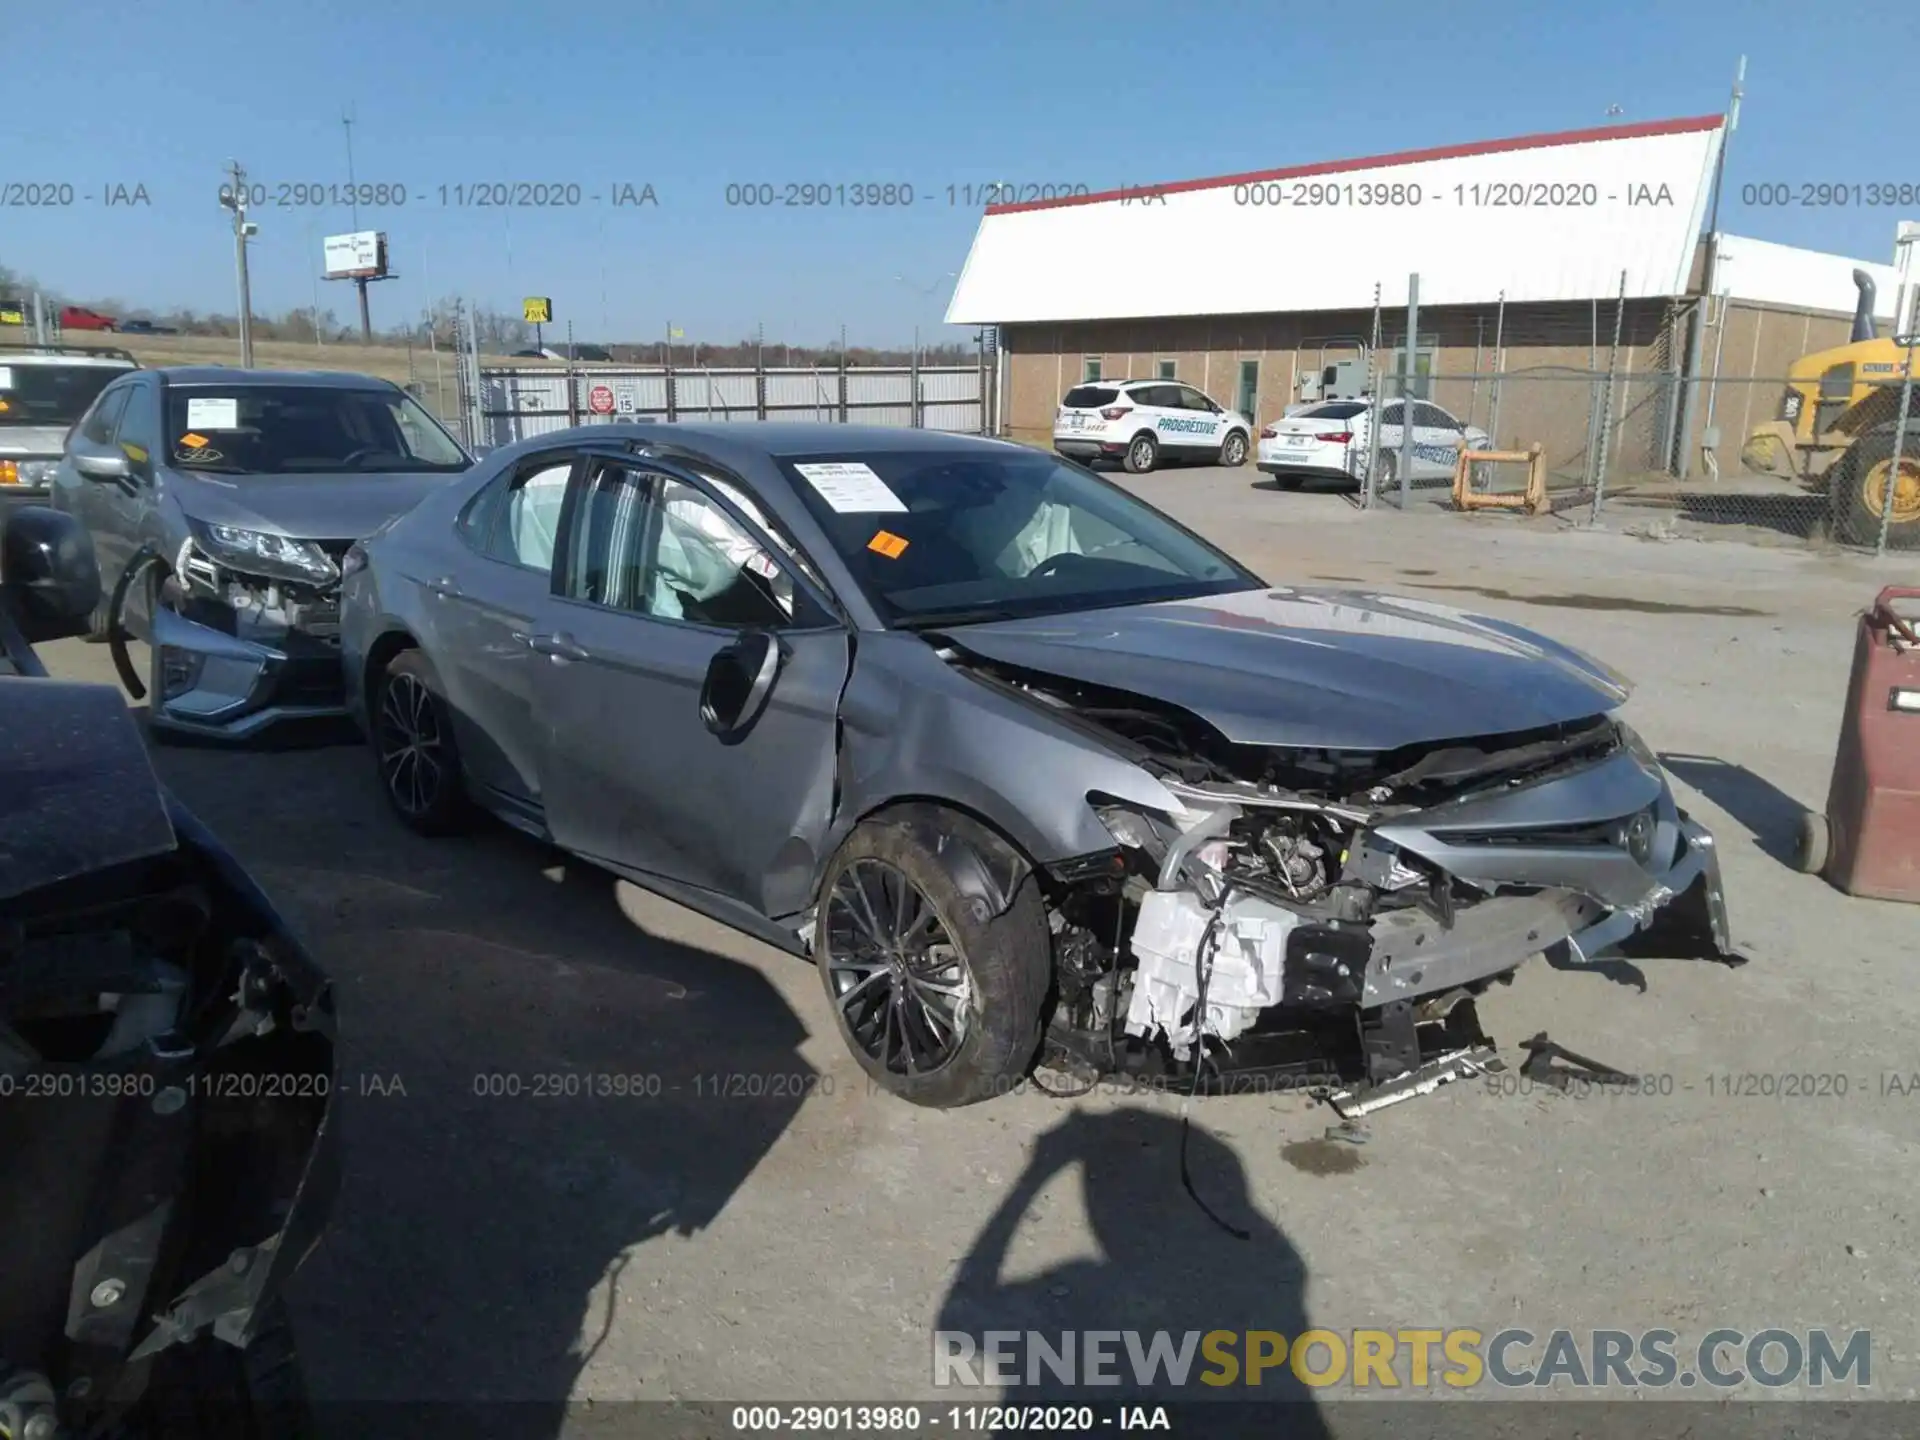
76, 317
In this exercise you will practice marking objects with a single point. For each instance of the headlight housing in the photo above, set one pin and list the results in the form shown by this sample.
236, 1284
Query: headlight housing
27, 472
257, 552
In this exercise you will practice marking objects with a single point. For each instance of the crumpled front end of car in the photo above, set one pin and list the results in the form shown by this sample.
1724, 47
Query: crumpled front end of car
248, 639
1294, 895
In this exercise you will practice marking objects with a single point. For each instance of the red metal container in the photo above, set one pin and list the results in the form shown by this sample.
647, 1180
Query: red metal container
1872, 831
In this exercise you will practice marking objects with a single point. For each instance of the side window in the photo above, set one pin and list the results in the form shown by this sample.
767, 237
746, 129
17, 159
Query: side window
516, 519
1392, 414
104, 420
139, 429
1160, 397
704, 568
656, 546
1434, 418
608, 537
528, 527
1194, 400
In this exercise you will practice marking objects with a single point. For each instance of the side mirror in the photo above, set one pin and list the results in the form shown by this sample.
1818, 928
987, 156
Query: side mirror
100, 462
739, 683
49, 579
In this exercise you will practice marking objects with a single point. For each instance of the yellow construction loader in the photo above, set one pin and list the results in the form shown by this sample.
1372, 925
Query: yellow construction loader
1834, 433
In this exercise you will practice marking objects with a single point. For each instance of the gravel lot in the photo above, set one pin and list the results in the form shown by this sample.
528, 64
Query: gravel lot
802, 1242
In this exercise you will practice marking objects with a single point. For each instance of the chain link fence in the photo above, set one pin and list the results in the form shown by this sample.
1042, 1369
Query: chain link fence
1643, 423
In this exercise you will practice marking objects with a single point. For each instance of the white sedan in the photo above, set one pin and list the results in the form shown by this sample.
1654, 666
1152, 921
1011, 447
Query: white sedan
1331, 440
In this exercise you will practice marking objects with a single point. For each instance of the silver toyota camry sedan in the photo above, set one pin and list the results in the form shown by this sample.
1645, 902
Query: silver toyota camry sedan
1032, 773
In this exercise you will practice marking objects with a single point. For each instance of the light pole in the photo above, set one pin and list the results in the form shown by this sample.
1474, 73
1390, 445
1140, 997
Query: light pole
924, 291
234, 198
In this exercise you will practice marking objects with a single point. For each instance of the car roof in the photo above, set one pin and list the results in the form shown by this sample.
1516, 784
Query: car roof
306, 379
780, 439
74, 356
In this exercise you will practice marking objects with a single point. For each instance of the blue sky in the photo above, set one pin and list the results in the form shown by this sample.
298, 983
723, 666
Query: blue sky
690, 97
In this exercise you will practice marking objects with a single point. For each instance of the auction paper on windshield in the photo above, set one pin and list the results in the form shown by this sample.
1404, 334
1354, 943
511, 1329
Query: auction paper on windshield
205, 413
852, 488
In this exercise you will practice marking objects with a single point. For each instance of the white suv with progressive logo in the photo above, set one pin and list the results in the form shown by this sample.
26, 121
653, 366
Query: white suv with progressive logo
1142, 422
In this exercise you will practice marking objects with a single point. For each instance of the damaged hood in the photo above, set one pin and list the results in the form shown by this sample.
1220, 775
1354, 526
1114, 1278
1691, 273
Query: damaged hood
1315, 668
304, 507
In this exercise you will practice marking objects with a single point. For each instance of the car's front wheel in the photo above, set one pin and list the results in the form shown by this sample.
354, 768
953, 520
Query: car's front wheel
1142, 455
937, 989
413, 745
1234, 452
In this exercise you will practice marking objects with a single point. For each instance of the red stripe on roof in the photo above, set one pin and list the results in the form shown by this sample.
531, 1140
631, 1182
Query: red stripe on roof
1381, 162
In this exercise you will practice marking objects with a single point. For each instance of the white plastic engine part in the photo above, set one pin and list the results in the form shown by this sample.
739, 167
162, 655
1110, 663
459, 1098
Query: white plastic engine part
1243, 977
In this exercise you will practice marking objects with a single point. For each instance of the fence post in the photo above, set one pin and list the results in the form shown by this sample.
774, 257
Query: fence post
1479, 339
1499, 364
1899, 445
913, 379
1374, 376
1606, 409
1408, 366
980, 377
760, 377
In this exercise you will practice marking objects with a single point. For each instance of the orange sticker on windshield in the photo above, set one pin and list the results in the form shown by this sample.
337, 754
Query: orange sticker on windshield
193, 442
888, 544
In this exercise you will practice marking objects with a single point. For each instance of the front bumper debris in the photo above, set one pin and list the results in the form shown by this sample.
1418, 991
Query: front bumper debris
1577, 865
232, 688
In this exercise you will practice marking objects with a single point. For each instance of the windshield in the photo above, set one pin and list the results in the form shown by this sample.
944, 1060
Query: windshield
949, 537
304, 430
51, 394
1339, 410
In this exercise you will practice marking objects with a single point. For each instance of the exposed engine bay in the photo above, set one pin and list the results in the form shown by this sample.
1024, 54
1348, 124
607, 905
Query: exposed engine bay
1307, 912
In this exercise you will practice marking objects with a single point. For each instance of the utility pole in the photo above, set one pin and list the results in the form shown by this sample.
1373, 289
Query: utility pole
235, 200
1682, 461
353, 201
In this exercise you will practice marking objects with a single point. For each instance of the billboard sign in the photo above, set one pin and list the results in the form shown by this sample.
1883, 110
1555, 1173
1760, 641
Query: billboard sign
361, 255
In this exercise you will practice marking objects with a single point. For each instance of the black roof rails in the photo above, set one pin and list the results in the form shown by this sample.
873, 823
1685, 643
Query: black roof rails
104, 352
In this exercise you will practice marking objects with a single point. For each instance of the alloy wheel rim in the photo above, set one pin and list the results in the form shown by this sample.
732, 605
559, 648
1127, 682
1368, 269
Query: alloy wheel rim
1142, 452
1236, 450
1906, 491
902, 987
411, 746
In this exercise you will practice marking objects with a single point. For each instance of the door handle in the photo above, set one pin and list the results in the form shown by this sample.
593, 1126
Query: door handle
444, 587
559, 646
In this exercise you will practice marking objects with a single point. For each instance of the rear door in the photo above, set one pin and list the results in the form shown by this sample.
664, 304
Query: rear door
1437, 441
1393, 437
659, 574
484, 601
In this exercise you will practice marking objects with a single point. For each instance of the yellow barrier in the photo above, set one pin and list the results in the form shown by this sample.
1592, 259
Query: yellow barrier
1532, 500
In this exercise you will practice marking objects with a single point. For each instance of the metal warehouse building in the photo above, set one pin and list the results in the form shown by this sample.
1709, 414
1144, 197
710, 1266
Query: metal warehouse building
1545, 265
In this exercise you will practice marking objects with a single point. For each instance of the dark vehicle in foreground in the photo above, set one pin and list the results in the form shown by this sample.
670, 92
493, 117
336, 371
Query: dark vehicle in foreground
220, 502
1010, 754
44, 390
166, 1068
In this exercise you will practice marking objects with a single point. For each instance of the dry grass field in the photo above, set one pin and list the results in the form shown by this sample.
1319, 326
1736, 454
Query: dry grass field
437, 388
